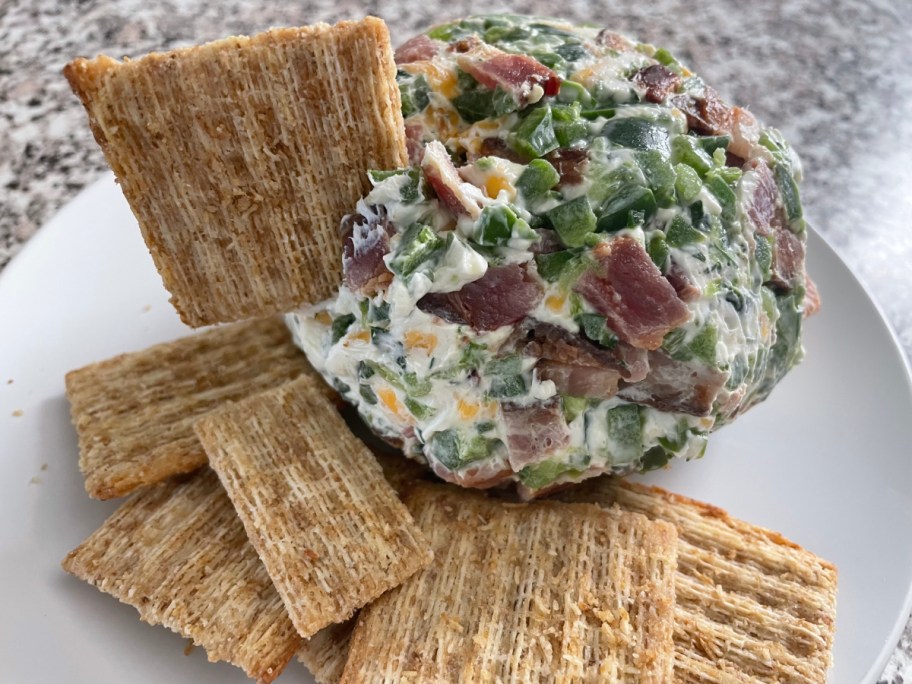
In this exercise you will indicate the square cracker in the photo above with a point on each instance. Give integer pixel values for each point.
(179, 555)
(325, 653)
(524, 593)
(134, 413)
(240, 157)
(329, 528)
(751, 605)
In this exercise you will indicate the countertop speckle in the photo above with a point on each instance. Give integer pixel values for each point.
(834, 76)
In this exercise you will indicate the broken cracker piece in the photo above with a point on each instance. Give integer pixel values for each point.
(240, 157)
(524, 593)
(327, 525)
(179, 555)
(325, 653)
(134, 413)
(751, 605)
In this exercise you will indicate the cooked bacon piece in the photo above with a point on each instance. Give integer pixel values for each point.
(548, 242)
(553, 343)
(497, 147)
(707, 115)
(628, 289)
(676, 386)
(580, 381)
(504, 295)
(658, 82)
(682, 284)
(414, 142)
(768, 217)
(365, 243)
(534, 432)
(515, 74)
(811, 297)
(483, 476)
(417, 49)
(459, 197)
(570, 164)
(745, 132)
(613, 41)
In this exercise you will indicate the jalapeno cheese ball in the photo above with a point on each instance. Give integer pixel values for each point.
(592, 262)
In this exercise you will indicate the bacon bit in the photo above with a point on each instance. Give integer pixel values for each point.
(707, 115)
(629, 290)
(811, 297)
(548, 242)
(580, 381)
(516, 74)
(495, 147)
(534, 432)
(570, 164)
(414, 142)
(417, 49)
(365, 243)
(476, 477)
(555, 303)
(613, 41)
(503, 296)
(415, 339)
(676, 386)
(658, 82)
(391, 401)
(456, 195)
(745, 132)
(682, 284)
(467, 409)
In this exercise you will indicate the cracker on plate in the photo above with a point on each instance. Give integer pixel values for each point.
(526, 593)
(178, 554)
(329, 528)
(240, 157)
(751, 605)
(134, 413)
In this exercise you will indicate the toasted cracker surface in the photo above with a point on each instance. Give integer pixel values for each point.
(326, 652)
(134, 413)
(178, 553)
(751, 605)
(327, 525)
(240, 157)
(524, 593)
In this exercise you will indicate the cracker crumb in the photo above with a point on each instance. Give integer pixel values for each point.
(188, 649)
(147, 308)
(44, 466)
(18, 413)
(9, 382)
(35, 480)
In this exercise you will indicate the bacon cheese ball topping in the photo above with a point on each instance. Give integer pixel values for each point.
(592, 262)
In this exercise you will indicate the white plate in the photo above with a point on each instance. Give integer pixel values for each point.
(826, 461)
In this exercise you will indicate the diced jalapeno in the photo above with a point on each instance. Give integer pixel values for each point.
(703, 345)
(542, 474)
(552, 267)
(711, 143)
(534, 136)
(367, 394)
(454, 451)
(340, 326)
(676, 441)
(573, 221)
(571, 91)
(726, 196)
(494, 225)
(596, 328)
(616, 214)
(537, 178)
(476, 102)
(655, 458)
(568, 126)
(788, 189)
(418, 244)
(681, 233)
(687, 183)
(659, 174)
(637, 134)
(625, 432)
(664, 57)
(410, 191)
(505, 386)
(686, 149)
(414, 94)
(657, 248)
(573, 407)
(510, 364)
(572, 51)
(419, 410)
(764, 257)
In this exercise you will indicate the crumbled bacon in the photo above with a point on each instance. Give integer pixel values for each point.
(534, 432)
(482, 476)
(365, 243)
(613, 41)
(657, 81)
(548, 242)
(745, 132)
(811, 297)
(706, 115)
(459, 197)
(681, 282)
(580, 381)
(628, 289)
(515, 74)
(504, 295)
(570, 164)
(414, 142)
(417, 49)
(676, 386)
(497, 147)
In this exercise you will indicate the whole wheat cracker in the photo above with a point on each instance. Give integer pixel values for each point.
(178, 553)
(134, 413)
(751, 605)
(523, 593)
(240, 157)
(326, 652)
(327, 525)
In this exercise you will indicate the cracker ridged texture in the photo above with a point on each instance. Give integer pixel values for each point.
(326, 652)
(240, 157)
(134, 413)
(330, 530)
(751, 605)
(178, 554)
(524, 593)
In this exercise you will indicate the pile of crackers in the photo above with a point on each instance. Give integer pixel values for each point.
(259, 526)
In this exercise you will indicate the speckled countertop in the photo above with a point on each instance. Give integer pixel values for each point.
(835, 76)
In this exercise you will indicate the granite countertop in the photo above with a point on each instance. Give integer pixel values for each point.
(833, 76)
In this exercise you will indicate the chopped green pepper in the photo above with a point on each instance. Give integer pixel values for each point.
(534, 136)
(637, 134)
(537, 178)
(573, 221)
(616, 214)
(340, 326)
(596, 328)
(418, 245)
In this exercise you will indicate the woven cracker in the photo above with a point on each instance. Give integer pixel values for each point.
(524, 593)
(751, 605)
(326, 652)
(134, 413)
(179, 555)
(327, 525)
(240, 157)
